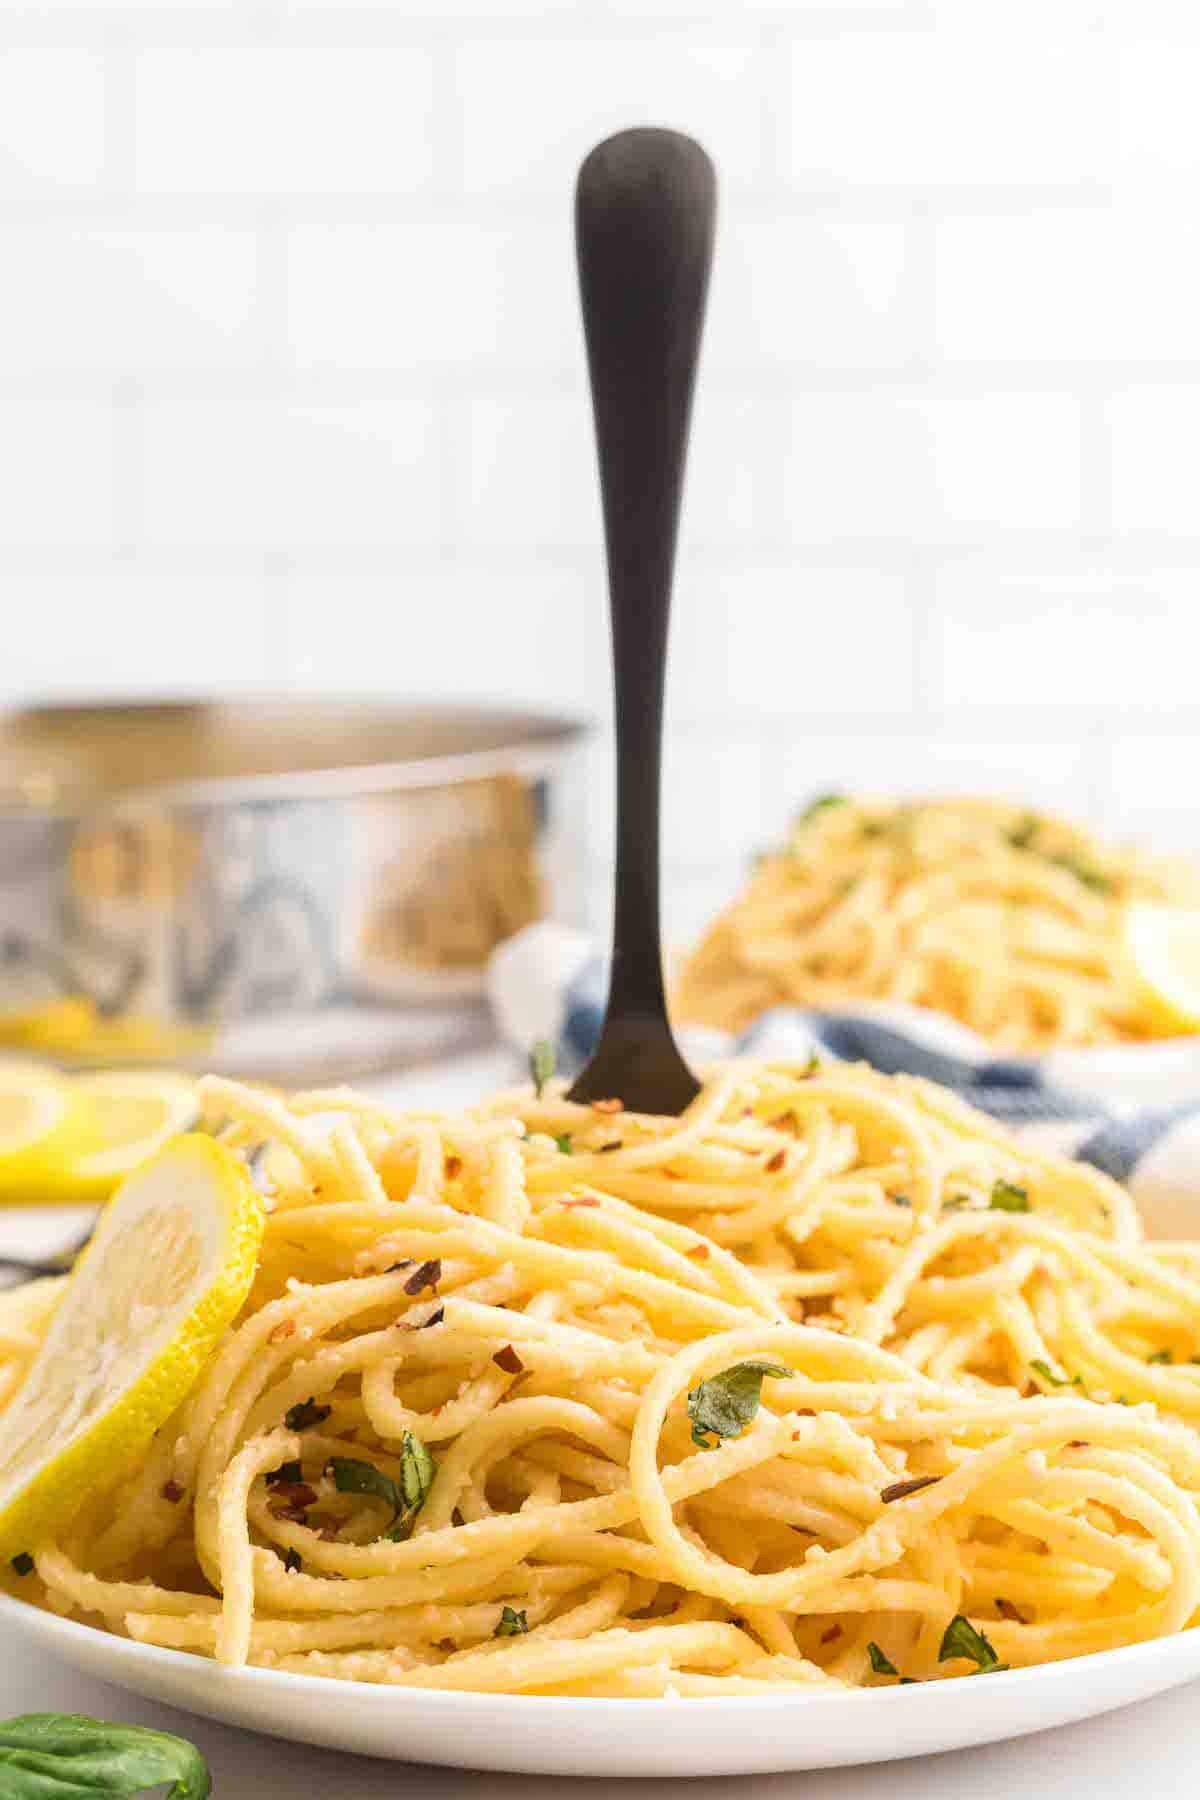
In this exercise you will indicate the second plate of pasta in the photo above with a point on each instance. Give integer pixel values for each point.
(1010, 921)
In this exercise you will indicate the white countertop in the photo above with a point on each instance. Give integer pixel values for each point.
(1141, 1751)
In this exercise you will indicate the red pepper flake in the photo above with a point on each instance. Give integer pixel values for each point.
(426, 1276)
(295, 1493)
(900, 1490)
(453, 1167)
(1079, 1444)
(1007, 1610)
(446, 1644)
(507, 1359)
(699, 1252)
(603, 1149)
(172, 1491)
(583, 1200)
(776, 1162)
(608, 1106)
(293, 1515)
(832, 1635)
(435, 1318)
(787, 1122)
(285, 1329)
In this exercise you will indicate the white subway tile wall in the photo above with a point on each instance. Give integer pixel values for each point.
(292, 390)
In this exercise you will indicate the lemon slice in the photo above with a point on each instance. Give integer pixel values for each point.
(1162, 951)
(128, 1116)
(33, 1101)
(170, 1264)
(72, 1140)
(40, 1126)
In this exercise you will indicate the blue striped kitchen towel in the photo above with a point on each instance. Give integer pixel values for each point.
(1132, 1111)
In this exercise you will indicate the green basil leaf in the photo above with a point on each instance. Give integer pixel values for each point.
(962, 1639)
(724, 1405)
(512, 1624)
(1008, 1197)
(563, 1144)
(542, 1061)
(880, 1664)
(65, 1756)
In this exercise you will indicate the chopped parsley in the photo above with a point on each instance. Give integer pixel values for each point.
(405, 1497)
(286, 1475)
(962, 1639)
(1084, 872)
(880, 1664)
(563, 1144)
(304, 1414)
(1021, 835)
(511, 1624)
(1008, 1197)
(820, 804)
(542, 1062)
(1047, 1374)
(724, 1405)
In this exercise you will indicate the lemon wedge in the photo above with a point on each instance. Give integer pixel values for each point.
(72, 1139)
(167, 1270)
(1162, 952)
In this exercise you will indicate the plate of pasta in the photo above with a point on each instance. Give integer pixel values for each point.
(560, 1438)
(1021, 926)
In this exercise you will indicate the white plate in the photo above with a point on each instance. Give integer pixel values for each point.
(539, 1736)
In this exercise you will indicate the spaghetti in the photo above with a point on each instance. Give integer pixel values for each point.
(1007, 920)
(829, 1381)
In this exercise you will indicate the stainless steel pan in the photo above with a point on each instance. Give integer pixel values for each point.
(282, 886)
